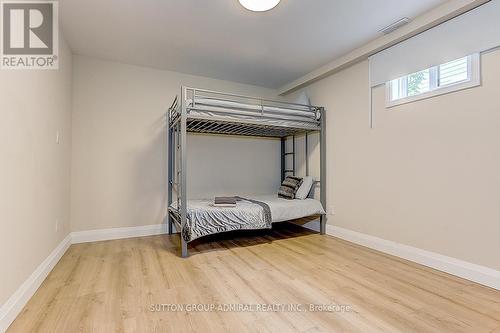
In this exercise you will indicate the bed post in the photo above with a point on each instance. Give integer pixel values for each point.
(323, 169)
(170, 159)
(283, 158)
(307, 153)
(183, 178)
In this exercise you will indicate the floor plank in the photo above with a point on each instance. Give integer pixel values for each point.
(113, 286)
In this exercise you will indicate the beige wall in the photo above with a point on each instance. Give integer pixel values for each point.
(119, 147)
(35, 171)
(427, 175)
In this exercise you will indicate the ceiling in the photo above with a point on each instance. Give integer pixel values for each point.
(221, 39)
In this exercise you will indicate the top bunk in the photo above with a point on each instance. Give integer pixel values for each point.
(215, 112)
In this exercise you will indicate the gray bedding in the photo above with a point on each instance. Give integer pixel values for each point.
(205, 219)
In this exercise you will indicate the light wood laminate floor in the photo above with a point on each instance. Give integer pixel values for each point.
(110, 287)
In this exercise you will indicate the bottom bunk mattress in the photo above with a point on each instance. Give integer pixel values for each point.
(250, 213)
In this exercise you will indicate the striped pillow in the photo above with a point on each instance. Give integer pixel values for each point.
(289, 187)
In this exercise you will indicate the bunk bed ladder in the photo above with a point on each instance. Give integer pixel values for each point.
(285, 171)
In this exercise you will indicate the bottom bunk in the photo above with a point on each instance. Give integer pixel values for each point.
(250, 213)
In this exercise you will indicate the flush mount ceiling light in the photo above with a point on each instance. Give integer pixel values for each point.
(259, 5)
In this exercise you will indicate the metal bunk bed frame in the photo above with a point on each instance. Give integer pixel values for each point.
(180, 122)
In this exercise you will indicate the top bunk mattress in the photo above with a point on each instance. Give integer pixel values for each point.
(298, 110)
(235, 112)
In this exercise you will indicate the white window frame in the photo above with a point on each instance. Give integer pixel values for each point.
(473, 80)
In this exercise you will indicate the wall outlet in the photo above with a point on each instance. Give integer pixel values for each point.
(56, 227)
(331, 210)
(57, 137)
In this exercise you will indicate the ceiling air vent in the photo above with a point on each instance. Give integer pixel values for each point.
(395, 26)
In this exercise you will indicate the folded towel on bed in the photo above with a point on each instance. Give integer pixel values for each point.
(225, 201)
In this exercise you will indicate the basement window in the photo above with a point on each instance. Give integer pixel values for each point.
(452, 76)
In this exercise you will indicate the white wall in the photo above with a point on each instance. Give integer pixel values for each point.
(119, 147)
(35, 171)
(427, 175)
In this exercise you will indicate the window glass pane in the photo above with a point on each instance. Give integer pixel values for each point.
(454, 75)
(454, 71)
(419, 82)
(396, 91)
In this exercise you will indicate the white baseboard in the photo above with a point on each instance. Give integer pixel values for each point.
(480, 274)
(117, 233)
(14, 305)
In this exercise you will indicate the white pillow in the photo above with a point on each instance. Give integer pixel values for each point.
(305, 188)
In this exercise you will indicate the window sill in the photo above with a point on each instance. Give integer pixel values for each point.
(438, 92)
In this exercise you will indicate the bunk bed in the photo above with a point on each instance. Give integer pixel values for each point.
(212, 112)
